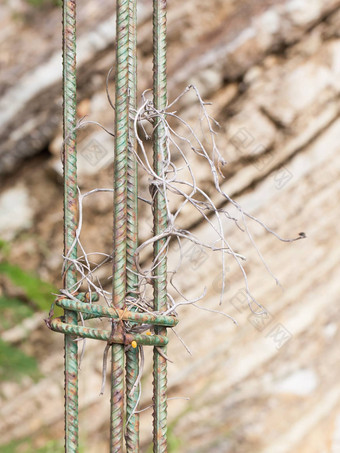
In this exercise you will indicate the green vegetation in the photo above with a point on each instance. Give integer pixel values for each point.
(14, 364)
(37, 291)
(26, 446)
(51, 447)
(41, 3)
(13, 311)
(174, 442)
(4, 247)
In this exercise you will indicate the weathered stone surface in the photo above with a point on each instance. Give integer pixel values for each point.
(269, 385)
(16, 212)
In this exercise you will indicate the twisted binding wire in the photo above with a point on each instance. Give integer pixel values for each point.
(119, 222)
(160, 224)
(70, 217)
(132, 355)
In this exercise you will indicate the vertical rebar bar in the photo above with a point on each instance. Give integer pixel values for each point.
(160, 223)
(119, 223)
(70, 216)
(132, 356)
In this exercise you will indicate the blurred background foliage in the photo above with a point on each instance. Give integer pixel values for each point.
(36, 296)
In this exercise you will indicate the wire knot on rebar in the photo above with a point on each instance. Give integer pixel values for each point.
(87, 310)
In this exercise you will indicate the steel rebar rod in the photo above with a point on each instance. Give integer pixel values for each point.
(119, 223)
(70, 217)
(125, 315)
(132, 355)
(160, 224)
(58, 325)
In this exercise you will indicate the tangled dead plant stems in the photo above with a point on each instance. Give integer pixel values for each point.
(180, 188)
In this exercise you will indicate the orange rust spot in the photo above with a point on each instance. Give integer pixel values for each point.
(73, 206)
(134, 344)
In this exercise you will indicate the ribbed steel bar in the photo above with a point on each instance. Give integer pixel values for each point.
(85, 297)
(125, 315)
(132, 355)
(58, 325)
(119, 223)
(160, 223)
(70, 216)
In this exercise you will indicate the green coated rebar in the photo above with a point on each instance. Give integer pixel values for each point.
(70, 217)
(132, 355)
(160, 223)
(119, 224)
(58, 325)
(125, 238)
(85, 297)
(110, 312)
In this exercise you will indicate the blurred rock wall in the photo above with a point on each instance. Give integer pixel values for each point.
(271, 70)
